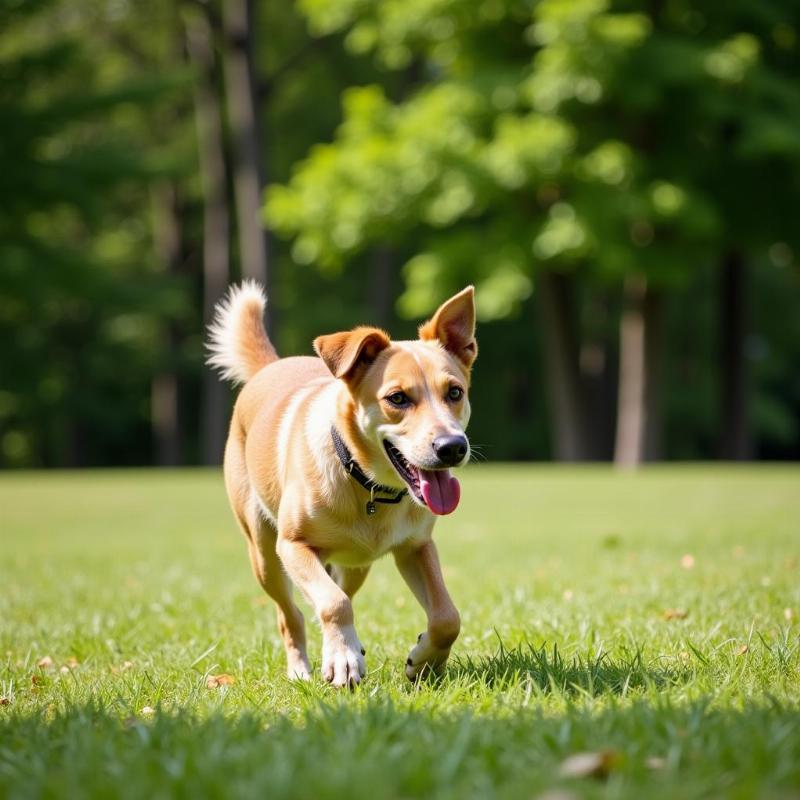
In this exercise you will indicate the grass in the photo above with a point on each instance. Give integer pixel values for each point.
(651, 618)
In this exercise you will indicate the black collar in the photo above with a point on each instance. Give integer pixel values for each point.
(358, 474)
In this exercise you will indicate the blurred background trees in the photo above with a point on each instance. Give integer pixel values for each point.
(620, 181)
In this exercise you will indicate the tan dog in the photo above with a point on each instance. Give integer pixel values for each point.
(332, 462)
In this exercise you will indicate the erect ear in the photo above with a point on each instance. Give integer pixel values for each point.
(348, 353)
(454, 326)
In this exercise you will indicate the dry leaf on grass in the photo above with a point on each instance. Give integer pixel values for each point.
(589, 765)
(5, 701)
(742, 650)
(215, 681)
(37, 680)
(45, 663)
(675, 613)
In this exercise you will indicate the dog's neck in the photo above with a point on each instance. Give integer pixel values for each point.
(378, 493)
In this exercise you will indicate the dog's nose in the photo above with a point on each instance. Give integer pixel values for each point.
(450, 449)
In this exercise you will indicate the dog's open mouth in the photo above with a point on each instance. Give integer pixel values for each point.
(435, 488)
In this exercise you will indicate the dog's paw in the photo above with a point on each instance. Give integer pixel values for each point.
(298, 668)
(425, 659)
(343, 661)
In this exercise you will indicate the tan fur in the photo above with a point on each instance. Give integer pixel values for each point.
(295, 503)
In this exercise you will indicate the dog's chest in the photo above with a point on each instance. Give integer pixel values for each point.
(371, 537)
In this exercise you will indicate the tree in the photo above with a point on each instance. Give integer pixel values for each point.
(75, 275)
(563, 139)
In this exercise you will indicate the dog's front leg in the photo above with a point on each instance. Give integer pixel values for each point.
(420, 568)
(342, 655)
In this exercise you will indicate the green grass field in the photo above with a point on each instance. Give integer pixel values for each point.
(649, 619)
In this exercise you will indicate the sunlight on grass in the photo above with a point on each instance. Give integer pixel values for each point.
(653, 615)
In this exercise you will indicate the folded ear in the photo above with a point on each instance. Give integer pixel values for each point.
(348, 353)
(454, 326)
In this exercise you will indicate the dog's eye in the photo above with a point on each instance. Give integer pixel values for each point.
(455, 393)
(398, 399)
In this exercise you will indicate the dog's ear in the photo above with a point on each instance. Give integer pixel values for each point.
(348, 353)
(453, 325)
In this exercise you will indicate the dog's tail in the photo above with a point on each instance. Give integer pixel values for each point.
(238, 345)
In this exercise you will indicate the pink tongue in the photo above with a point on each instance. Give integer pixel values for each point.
(440, 490)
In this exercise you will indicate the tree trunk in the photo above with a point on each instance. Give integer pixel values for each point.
(164, 390)
(598, 372)
(380, 287)
(216, 268)
(248, 171)
(567, 405)
(735, 437)
(638, 400)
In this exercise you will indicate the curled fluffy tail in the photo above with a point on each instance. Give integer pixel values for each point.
(238, 345)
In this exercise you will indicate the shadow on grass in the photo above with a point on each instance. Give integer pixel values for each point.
(364, 748)
(549, 672)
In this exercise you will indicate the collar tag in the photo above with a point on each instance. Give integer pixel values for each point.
(360, 477)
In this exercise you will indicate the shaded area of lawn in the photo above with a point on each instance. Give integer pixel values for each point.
(335, 751)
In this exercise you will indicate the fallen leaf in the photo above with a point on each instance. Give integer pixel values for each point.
(214, 681)
(147, 711)
(37, 680)
(45, 663)
(655, 762)
(742, 650)
(687, 561)
(675, 613)
(589, 765)
(5, 701)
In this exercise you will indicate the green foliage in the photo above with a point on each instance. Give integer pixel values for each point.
(79, 297)
(562, 577)
(562, 135)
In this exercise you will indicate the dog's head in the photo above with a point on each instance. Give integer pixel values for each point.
(407, 406)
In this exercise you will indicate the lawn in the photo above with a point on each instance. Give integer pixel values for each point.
(650, 620)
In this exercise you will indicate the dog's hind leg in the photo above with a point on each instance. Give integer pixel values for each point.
(261, 541)
(276, 584)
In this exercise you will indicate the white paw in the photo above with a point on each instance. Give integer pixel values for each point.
(343, 657)
(425, 659)
(297, 668)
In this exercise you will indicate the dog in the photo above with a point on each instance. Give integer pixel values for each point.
(332, 462)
